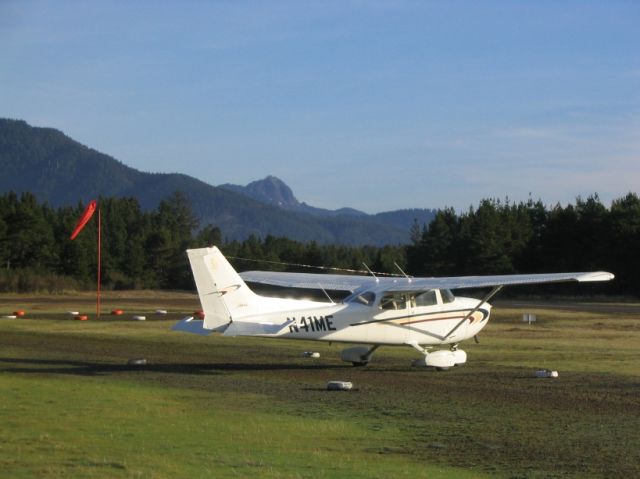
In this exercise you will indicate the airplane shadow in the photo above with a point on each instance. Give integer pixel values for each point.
(87, 368)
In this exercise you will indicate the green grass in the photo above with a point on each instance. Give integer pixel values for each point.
(61, 427)
(241, 407)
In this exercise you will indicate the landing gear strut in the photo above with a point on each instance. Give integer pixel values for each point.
(358, 356)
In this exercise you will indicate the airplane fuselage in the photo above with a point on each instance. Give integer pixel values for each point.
(417, 312)
(353, 322)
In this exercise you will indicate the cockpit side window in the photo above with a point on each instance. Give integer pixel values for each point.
(428, 298)
(393, 301)
(367, 298)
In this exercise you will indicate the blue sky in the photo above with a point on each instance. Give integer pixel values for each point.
(373, 105)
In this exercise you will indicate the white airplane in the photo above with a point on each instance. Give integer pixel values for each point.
(419, 312)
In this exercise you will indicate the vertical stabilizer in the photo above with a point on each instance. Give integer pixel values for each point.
(223, 293)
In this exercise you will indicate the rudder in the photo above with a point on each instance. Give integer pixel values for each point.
(223, 294)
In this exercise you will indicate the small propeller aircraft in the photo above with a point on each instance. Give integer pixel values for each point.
(421, 313)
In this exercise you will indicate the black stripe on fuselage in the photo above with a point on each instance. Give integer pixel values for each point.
(415, 319)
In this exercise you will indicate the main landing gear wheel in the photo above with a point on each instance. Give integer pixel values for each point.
(358, 356)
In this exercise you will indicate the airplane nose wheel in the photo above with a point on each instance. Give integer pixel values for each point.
(440, 360)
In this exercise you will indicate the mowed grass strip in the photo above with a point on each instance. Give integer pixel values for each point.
(72, 407)
(239, 407)
(565, 340)
(57, 426)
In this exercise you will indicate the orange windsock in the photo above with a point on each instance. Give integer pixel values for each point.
(86, 216)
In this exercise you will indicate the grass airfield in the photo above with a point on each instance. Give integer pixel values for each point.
(244, 407)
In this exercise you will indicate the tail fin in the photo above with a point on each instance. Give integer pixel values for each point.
(223, 293)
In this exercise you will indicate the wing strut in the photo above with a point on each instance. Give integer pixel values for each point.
(372, 273)
(493, 292)
(403, 273)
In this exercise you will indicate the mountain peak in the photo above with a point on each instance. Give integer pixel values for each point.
(272, 190)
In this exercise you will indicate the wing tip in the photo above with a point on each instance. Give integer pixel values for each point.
(595, 276)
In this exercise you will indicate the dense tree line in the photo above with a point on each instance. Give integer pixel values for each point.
(141, 249)
(146, 249)
(503, 237)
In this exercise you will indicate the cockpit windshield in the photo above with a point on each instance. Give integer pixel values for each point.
(447, 296)
(428, 298)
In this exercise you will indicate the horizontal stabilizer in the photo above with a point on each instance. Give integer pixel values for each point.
(244, 328)
(190, 325)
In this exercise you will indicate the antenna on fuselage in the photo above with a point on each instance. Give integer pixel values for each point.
(372, 273)
(404, 274)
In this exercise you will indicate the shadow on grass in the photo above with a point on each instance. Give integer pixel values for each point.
(87, 368)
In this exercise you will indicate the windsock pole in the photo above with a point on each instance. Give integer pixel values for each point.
(82, 221)
(99, 262)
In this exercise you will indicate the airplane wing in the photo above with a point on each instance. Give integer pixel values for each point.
(469, 282)
(351, 283)
(338, 282)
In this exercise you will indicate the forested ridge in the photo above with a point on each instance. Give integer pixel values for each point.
(61, 171)
(146, 248)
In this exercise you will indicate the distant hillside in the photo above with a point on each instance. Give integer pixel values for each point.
(61, 171)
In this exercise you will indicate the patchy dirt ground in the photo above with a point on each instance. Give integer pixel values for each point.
(492, 415)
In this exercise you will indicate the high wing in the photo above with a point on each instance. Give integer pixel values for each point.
(337, 282)
(352, 283)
